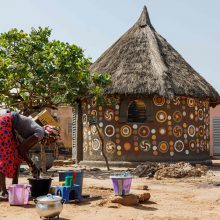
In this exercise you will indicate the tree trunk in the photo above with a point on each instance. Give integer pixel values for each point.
(103, 152)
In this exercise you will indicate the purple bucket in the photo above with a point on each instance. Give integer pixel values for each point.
(19, 194)
(121, 185)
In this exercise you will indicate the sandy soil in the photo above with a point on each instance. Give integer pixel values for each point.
(173, 199)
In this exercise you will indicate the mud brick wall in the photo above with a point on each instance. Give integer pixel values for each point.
(174, 130)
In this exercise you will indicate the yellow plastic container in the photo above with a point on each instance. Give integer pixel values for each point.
(62, 183)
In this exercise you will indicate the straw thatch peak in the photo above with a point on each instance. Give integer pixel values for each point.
(143, 62)
(144, 19)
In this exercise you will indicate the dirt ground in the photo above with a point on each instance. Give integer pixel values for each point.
(173, 199)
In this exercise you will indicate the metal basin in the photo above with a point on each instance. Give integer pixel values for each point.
(49, 206)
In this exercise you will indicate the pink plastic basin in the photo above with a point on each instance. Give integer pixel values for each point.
(19, 194)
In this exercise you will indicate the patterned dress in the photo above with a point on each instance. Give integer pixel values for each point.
(9, 157)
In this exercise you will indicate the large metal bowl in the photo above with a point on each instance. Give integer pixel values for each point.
(49, 206)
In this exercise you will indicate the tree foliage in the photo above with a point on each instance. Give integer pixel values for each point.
(36, 72)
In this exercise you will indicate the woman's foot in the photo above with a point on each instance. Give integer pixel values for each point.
(3, 195)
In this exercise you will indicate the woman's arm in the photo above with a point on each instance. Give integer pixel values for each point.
(25, 146)
(23, 149)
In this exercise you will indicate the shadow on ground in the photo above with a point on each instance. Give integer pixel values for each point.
(145, 208)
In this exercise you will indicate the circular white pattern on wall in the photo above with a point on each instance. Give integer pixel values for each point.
(93, 129)
(179, 146)
(176, 100)
(177, 131)
(110, 147)
(126, 131)
(162, 131)
(200, 114)
(192, 145)
(153, 131)
(84, 119)
(191, 130)
(118, 147)
(135, 126)
(96, 144)
(168, 101)
(191, 116)
(117, 107)
(159, 100)
(163, 147)
(109, 130)
(109, 115)
(145, 145)
(154, 147)
(143, 131)
(191, 102)
(85, 147)
(177, 116)
(100, 124)
(161, 116)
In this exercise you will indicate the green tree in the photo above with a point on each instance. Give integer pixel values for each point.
(36, 72)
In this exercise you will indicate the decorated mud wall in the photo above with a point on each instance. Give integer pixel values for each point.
(174, 130)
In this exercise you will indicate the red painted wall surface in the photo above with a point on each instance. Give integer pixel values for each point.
(214, 112)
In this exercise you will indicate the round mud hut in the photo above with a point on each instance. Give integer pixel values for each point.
(160, 107)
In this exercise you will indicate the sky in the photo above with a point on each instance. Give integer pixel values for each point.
(192, 27)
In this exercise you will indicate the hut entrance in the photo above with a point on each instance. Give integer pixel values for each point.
(137, 111)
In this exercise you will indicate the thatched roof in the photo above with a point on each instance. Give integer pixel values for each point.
(143, 62)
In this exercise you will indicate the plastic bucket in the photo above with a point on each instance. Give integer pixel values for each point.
(121, 185)
(64, 174)
(40, 187)
(78, 178)
(19, 194)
